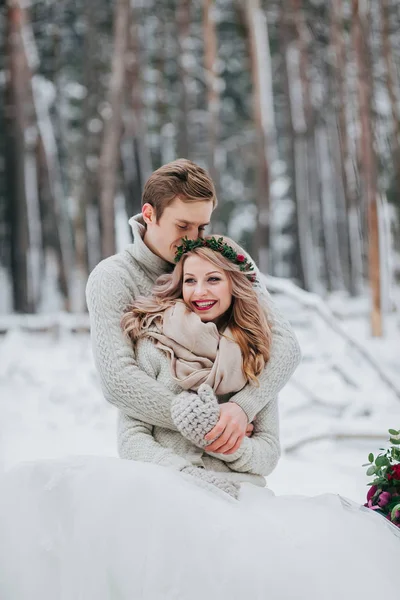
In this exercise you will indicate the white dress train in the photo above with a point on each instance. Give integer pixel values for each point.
(95, 528)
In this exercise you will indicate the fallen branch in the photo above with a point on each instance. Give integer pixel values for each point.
(345, 377)
(313, 397)
(333, 437)
(314, 302)
(45, 323)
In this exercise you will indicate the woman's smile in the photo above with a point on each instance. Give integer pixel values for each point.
(204, 304)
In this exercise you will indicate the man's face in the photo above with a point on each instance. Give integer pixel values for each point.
(179, 220)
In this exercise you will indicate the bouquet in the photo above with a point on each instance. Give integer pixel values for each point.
(384, 493)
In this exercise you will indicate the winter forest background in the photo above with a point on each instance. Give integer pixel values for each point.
(292, 105)
(294, 108)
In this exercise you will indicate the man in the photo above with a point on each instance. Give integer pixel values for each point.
(178, 200)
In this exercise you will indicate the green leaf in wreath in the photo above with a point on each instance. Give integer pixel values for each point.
(394, 432)
(371, 470)
(371, 457)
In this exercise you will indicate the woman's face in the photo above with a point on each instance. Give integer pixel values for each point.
(206, 289)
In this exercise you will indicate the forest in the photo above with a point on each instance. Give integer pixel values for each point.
(293, 106)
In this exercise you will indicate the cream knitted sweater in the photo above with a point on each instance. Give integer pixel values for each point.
(257, 456)
(111, 287)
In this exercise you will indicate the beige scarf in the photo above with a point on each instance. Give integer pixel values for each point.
(198, 353)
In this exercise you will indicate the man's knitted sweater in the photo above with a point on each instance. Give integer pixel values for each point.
(112, 286)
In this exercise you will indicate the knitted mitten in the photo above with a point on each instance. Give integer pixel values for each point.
(204, 478)
(195, 414)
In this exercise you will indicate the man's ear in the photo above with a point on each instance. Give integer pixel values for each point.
(148, 213)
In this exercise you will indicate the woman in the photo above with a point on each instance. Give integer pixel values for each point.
(203, 330)
(106, 528)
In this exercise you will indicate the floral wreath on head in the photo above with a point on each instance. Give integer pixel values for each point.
(217, 245)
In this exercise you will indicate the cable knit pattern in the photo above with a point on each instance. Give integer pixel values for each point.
(208, 477)
(111, 287)
(259, 454)
(137, 440)
(196, 414)
(140, 441)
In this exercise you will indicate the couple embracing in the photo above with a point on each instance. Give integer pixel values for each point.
(192, 351)
(205, 353)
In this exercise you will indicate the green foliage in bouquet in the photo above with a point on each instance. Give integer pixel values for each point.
(384, 493)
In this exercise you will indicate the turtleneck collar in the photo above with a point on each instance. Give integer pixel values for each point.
(148, 260)
(151, 262)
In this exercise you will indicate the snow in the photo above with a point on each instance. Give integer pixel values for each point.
(75, 91)
(242, 221)
(51, 404)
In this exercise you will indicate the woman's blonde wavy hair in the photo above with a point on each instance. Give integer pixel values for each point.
(245, 318)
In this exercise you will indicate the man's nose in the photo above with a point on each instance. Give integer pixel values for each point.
(193, 233)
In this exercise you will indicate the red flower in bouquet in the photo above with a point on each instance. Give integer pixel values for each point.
(394, 472)
(384, 494)
(384, 499)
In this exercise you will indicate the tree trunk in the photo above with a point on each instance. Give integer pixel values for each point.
(87, 226)
(213, 100)
(136, 160)
(263, 120)
(183, 22)
(306, 182)
(84, 190)
(284, 40)
(368, 169)
(329, 207)
(389, 75)
(51, 165)
(109, 158)
(17, 205)
(24, 204)
(352, 239)
(162, 104)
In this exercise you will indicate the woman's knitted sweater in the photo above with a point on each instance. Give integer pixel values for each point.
(111, 287)
(257, 456)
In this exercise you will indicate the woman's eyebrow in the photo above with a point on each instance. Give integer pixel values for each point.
(209, 273)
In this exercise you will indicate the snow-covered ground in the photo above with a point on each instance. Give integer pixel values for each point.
(335, 410)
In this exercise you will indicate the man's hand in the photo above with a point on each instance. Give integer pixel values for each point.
(229, 431)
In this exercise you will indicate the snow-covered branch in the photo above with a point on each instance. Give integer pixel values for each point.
(316, 303)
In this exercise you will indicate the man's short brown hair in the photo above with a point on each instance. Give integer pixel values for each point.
(182, 178)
